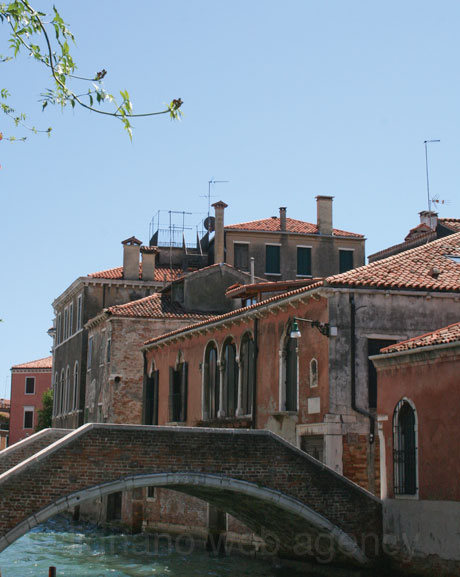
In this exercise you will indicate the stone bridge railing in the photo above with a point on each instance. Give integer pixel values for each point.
(270, 485)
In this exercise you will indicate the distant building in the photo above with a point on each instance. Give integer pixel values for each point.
(419, 428)
(285, 248)
(431, 228)
(85, 298)
(28, 383)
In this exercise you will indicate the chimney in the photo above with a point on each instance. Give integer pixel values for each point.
(283, 218)
(131, 248)
(148, 262)
(219, 238)
(429, 218)
(324, 214)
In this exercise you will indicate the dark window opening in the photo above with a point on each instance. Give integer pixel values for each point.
(151, 399)
(211, 383)
(272, 259)
(151, 492)
(404, 450)
(345, 260)
(313, 445)
(114, 506)
(291, 374)
(30, 385)
(303, 261)
(241, 258)
(178, 393)
(230, 379)
(28, 419)
(247, 360)
(373, 348)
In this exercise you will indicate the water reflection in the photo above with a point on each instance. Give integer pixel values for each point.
(83, 550)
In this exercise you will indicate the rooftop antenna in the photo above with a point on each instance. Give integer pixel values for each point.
(426, 142)
(209, 195)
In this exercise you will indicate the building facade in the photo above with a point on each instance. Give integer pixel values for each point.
(28, 383)
(419, 393)
(85, 298)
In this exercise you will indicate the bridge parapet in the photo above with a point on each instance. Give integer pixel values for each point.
(255, 475)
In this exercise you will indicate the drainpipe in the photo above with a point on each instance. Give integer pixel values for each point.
(353, 370)
(254, 388)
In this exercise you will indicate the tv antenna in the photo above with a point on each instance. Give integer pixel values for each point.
(426, 142)
(209, 195)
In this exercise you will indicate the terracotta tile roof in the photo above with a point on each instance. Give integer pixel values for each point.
(452, 223)
(162, 273)
(156, 305)
(292, 225)
(425, 267)
(417, 231)
(235, 290)
(46, 363)
(411, 242)
(449, 334)
(410, 270)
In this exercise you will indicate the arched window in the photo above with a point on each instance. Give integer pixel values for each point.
(405, 448)
(178, 391)
(211, 400)
(56, 395)
(67, 390)
(247, 374)
(76, 387)
(151, 396)
(313, 373)
(61, 394)
(230, 377)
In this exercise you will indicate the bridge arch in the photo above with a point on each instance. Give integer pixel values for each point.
(254, 475)
(207, 484)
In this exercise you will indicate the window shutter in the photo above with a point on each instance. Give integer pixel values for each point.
(183, 393)
(156, 380)
(171, 394)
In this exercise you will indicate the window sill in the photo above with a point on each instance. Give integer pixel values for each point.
(407, 497)
(304, 276)
(284, 413)
(176, 424)
(272, 273)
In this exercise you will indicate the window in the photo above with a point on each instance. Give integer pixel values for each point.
(404, 449)
(30, 385)
(373, 348)
(313, 445)
(28, 417)
(66, 392)
(79, 317)
(247, 364)
(59, 328)
(230, 375)
(114, 506)
(303, 261)
(56, 395)
(313, 374)
(241, 256)
(345, 260)
(108, 350)
(288, 373)
(66, 323)
(75, 387)
(210, 383)
(61, 393)
(70, 319)
(272, 259)
(90, 353)
(151, 492)
(151, 398)
(178, 393)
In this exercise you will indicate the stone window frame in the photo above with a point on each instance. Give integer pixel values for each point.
(55, 394)
(26, 380)
(396, 412)
(313, 377)
(240, 410)
(67, 391)
(223, 409)
(79, 311)
(28, 410)
(206, 395)
(76, 387)
(61, 392)
(282, 354)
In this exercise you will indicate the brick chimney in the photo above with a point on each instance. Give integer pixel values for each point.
(219, 239)
(283, 218)
(148, 262)
(131, 248)
(324, 214)
(429, 218)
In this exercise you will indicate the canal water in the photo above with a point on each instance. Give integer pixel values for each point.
(83, 550)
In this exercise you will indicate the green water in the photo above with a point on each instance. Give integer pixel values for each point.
(83, 550)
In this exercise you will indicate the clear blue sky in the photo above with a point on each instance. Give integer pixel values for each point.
(286, 100)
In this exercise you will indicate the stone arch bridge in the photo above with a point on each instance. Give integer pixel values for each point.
(262, 480)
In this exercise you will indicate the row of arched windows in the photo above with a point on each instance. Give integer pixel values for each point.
(66, 391)
(228, 378)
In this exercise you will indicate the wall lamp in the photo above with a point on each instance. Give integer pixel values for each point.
(324, 328)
